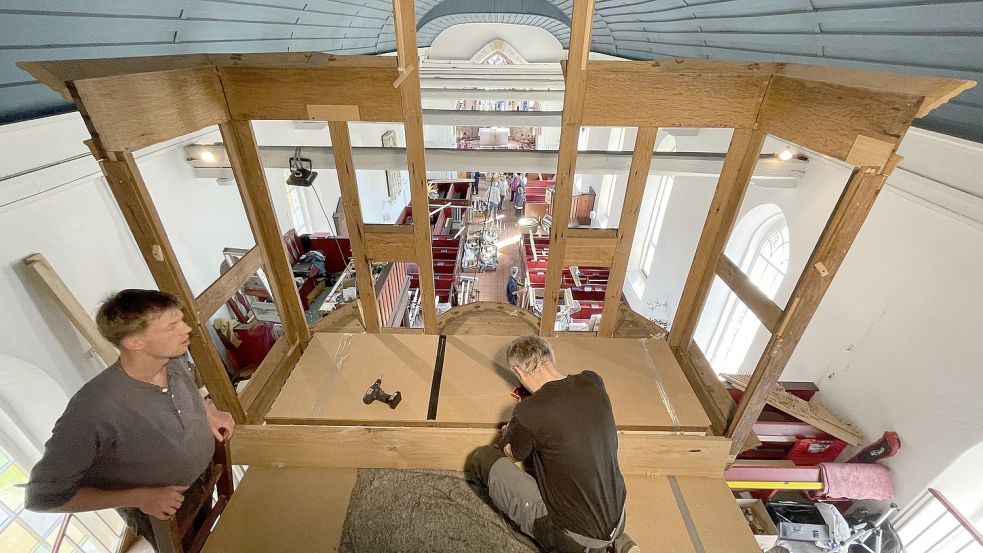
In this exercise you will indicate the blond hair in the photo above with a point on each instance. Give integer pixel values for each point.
(130, 311)
(528, 353)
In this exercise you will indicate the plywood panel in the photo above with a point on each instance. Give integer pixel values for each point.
(716, 517)
(331, 377)
(287, 510)
(653, 518)
(476, 384)
(646, 385)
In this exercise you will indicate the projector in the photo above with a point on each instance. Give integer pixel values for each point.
(300, 172)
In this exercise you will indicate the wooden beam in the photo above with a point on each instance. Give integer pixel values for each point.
(742, 155)
(257, 92)
(390, 242)
(806, 411)
(662, 99)
(761, 305)
(251, 178)
(409, 94)
(487, 318)
(848, 216)
(142, 109)
(641, 161)
(566, 162)
(414, 447)
(829, 118)
(265, 384)
(591, 247)
(71, 307)
(138, 209)
(225, 287)
(348, 185)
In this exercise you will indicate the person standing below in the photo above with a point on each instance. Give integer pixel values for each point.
(513, 184)
(503, 188)
(475, 182)
(494, 198)
(520, 200)
(137, 437)
(575, 499)
(523, 181)
(512, 286)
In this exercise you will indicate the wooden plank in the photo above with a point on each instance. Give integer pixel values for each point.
(717, 519)
(347, 318)
(138, 110)
(286, 92)
(487, 318)
(641, 453)
(761, 305)
(828, 118)
(848, 216)
(390, 242)
(348, 186)
(566, 160)
(285, 510)
(333, 113)
(281, 349)
(632, 325)
(225, 287)
(663, 99)
(276, 376)
(742, 155)
(806, 411)
(641, 161)
(591, 247)
(240, 142)
(138, 209)
(71, 307)
(653, 519)
(409, 95)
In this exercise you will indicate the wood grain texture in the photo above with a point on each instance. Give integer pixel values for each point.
(70, 306)
(641, 161)
(348, 186)
(390, 242)
(716, 517)
(742, 156)
(487, 318)
(827, 118)
(845, 222)
(761, 305)
(409, 95)
(240, 143)
(346, 319)
(226, 285)
(662, 99)
(133, 111)
(566, 161)
(641, 453)
(632, 325)
(286, 92)
(141, 216)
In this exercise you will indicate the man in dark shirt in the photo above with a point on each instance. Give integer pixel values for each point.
(512, 286)
(137, 437)
(575, 499)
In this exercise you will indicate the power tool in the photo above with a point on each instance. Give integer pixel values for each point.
(375, 393)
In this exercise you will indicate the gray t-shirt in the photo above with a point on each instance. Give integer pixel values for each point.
(119, 433)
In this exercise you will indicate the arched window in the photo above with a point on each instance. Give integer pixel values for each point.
(764, 256)
(654, 213)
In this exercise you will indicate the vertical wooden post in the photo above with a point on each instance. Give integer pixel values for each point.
(742, 156)
(341, 145)
(638, 175)
(409, 92)
(566, 161)
(848, 216)
(138, 209)
(240, 144)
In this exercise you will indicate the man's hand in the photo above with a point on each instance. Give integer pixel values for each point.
(219, 421)
(159, 503)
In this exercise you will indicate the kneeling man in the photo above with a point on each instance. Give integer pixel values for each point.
(575, 499)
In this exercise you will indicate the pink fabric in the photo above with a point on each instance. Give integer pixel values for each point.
(856, 481)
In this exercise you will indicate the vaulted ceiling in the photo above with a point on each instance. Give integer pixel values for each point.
(941, 38)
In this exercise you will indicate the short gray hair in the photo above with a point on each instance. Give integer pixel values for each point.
(528, 353)
(515, 271)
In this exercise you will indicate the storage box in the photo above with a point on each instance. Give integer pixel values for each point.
(764, 530)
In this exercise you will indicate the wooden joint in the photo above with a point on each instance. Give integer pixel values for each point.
(823, 271)
(403, 73)
(788, 316)
(157, 252)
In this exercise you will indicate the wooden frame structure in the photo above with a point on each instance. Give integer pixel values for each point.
(854, 116)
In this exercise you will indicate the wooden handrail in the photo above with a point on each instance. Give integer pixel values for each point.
(957, 515)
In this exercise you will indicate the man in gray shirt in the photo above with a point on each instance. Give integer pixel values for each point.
(137, 437)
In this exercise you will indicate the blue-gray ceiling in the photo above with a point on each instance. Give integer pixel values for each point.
(940, 38)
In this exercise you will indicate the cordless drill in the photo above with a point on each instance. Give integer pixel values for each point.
(375, 393)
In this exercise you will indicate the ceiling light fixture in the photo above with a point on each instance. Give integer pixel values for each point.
(300, 171)
(786, 154)
(207, 157)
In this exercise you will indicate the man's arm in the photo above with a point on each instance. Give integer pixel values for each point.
(160, 502)
(221, 422)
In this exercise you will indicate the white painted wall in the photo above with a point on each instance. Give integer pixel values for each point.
(460, 42)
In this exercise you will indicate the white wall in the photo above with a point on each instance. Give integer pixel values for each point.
(460, 42)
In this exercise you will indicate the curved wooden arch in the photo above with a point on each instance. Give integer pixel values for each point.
(345, 319)
(633, 325)
(490, 318)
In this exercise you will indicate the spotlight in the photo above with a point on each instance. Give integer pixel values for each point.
(300, 171)
(208, 157)
(786, 154)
